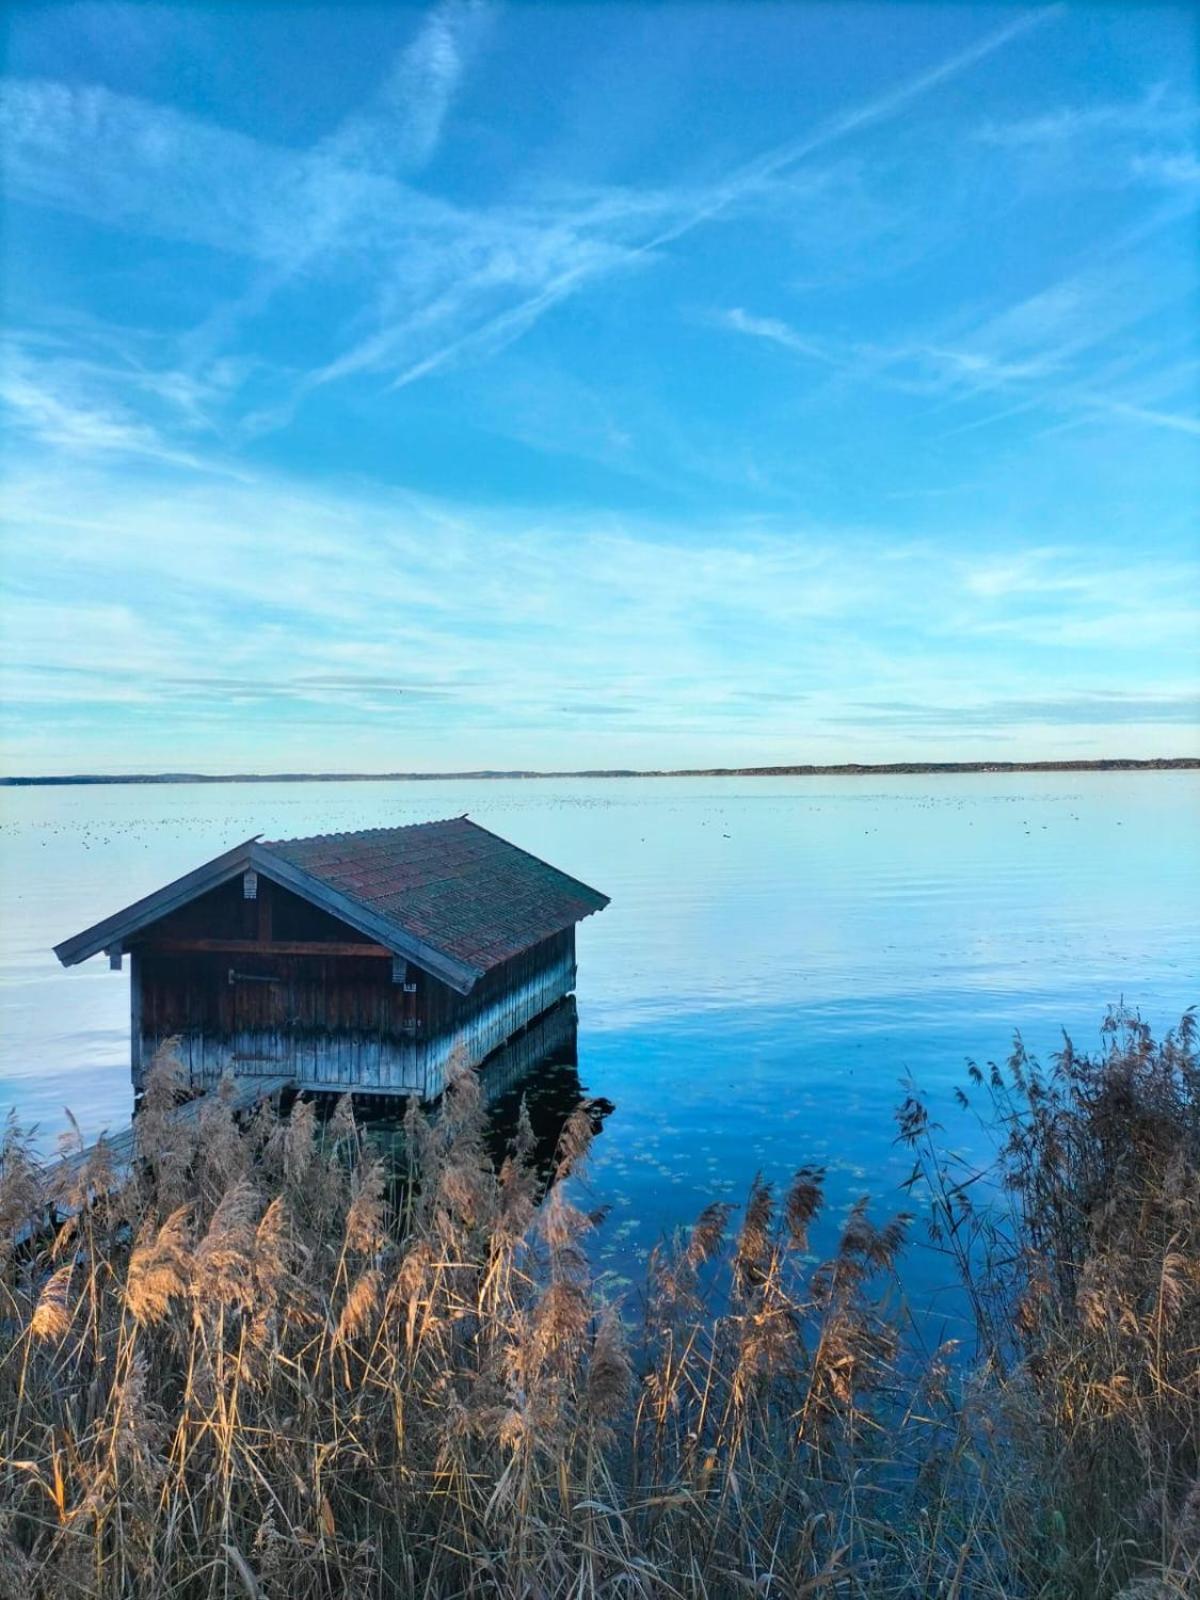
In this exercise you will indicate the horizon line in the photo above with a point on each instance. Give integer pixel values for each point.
(790, 769)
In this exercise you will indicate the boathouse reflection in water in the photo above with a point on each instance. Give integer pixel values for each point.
(545, 1076)
(539, 1068)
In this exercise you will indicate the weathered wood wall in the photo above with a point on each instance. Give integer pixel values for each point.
(333, 1022)
(553, 1033)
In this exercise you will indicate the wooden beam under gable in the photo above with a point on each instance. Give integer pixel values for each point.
(263, 947)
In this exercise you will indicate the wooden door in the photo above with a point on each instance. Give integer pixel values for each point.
(259, 1009)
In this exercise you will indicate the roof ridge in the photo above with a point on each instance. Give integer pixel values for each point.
(358, 833)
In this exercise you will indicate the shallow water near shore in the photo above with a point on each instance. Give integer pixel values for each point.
(779, 957)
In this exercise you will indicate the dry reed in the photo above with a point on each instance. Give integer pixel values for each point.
(263, 1365)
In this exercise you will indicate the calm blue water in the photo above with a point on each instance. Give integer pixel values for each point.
(779, 955)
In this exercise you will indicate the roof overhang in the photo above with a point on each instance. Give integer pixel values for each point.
(123, 925)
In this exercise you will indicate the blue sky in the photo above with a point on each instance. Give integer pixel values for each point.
(491, 386)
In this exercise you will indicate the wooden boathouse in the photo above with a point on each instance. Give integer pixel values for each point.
(361, 962)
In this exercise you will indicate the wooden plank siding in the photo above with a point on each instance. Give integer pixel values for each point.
(329, 1022)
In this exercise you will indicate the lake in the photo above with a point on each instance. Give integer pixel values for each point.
(779, 955)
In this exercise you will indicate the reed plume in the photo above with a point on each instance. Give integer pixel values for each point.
(360, 1306)
(51, 1318)
(159, 1269)
(223, 1261)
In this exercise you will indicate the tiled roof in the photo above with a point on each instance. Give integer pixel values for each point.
(455, 887)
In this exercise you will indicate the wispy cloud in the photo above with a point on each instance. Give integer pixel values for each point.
(685, 211)
(1111, 709)
(400, 130)
(84, 408)
(1156, 115)
(496, 636)
(1149, 141)
(336, 209)
(1058, 349)
(1169, 168)
(456, 283)
(869, 113)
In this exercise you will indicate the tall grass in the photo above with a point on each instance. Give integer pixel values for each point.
(1081, 1255)
(265, 1365)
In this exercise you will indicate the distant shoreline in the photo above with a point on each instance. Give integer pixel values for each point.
(849, 769)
